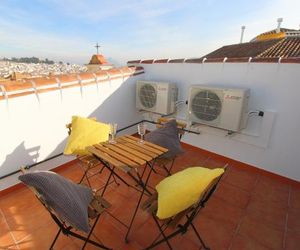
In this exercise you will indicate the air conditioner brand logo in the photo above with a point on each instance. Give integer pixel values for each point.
(232, 97)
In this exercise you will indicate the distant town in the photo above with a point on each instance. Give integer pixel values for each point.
(28, 67)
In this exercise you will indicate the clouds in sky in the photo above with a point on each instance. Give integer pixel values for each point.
(67, 30)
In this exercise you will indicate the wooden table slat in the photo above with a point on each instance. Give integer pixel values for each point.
(115, 155)
(164, 150)
(135, 152)
(144, 146)
(106, 157)
(126, 154)
(138, 148)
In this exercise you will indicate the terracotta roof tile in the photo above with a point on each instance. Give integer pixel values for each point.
(161, 61)
(251, 49)
(98, 59)
(134, 61)
(194, 60)
(265, 60)
(43, 84)
(86, 76)
(288, 47)
(148, 61)
(181, 60)
(240, 59)
(41, 81)
(102, 74)
(68, 78)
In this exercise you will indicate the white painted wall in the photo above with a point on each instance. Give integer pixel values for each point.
(32, 131)
(274, 140)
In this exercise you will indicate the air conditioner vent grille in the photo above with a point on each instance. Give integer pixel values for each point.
(148, 96)
(206, 105)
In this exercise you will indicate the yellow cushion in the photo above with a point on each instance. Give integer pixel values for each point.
(183, 189)
(85, 132)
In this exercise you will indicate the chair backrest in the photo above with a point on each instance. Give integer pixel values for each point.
(151, 205)
(180, 125)
(96, 206)
(88, 160)
(69, 125)
(39, 196)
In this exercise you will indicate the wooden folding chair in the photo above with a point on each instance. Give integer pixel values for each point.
(167, 164)
(181, 222)
(97, 207)
(88, 163)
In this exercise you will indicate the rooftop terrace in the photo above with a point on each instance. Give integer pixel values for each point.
(249, 210)
(256, 205)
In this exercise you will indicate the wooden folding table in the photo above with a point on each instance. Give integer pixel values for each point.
(128, 155)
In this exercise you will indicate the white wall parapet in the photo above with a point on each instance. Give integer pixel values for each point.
(32, 133)
(270, 142)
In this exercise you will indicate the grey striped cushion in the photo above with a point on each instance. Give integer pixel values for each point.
(69, 200)
(166, 136)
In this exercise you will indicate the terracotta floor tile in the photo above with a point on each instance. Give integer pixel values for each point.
(241, 178)
(268, 212)
(259, 203)
(130, 246)
(244, 243)
(182, 242)
(294, 220)
(272, 191)
(6, 238)
(127, 192)
(214, 163)
(272, 182)
(232, 195)
(125, 211)
(22, 199)
(25, 222)
(266, 205)
(42, 239)
(223, 212)
(215, 234)
(260, 232)
(111, 234)
(73, 174)
(155, 179)
(145, 235)
(292, 241)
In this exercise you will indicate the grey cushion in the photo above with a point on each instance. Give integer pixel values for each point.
(166, 136)
(68, 200)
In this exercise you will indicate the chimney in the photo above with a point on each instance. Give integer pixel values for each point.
(279, 20)
(242, 33)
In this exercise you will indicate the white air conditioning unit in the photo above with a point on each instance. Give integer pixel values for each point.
(156, 97)
(225, 108)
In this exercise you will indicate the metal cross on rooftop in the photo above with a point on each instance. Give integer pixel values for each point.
(97, 47)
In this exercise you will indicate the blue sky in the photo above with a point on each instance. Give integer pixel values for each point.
(67, 30)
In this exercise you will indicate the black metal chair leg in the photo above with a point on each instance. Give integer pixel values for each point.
(199, 237)
(144, 170)
(115, 180)
(171, 166)
(107, 183)
(83, 176)
(162, 232)
(144, 189)
(101, 169)
(166, 169)
(91, 231)
(55, 239)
